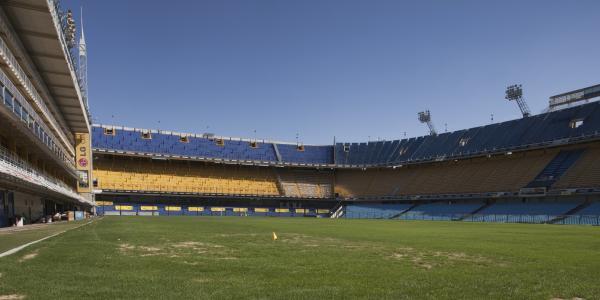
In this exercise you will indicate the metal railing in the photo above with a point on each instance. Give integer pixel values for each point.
(497, 218)
(137, 211)
(11, 164)
(484, 151)
(32, 114)
(6, 55)
(340, 165)
(27, 64)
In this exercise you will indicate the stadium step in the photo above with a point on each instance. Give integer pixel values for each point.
(555, 168)
(476, 211)
(571, 212)
(403, 212)
(277, 154)
(279, 184)
(338, 211)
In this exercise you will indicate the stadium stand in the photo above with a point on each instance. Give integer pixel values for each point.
(585, 173)
(561, 211)
(305, 154)
(44, 122)
(112, 138)
(589, 214)
(515, 171)
(143, 174)
(123, 173)
(543, 129)
(530, 211)
(548, 129)
(441, 211)
(556, 168)
(306, 183)
(505, 173)
(375, 211)
(490, 186)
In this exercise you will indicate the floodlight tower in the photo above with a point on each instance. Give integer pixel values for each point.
(425, 117)
(83, 65)
(515, 93)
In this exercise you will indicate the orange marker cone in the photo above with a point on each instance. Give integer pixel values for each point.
(274, 236)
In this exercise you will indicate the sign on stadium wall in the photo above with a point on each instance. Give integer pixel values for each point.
(83, 161)
(575, 96)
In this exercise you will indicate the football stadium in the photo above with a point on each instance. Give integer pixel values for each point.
(93, 209)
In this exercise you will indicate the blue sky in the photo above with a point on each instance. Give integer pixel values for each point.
(320, 68)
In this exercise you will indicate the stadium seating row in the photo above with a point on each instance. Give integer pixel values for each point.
(180, 176)
(307, 154)
(584, 173)
(375, 211)
(503, 173)
(441, 211)
(488, 174)
(584, 216)
(556, 168)
(195, 146)
(306, 183)
(174, 176)
(576, 122)
(509, 211)
(572, 122)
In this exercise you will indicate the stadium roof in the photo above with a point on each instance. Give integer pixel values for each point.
(38, 26)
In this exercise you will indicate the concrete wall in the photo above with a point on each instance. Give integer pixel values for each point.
(29, 206)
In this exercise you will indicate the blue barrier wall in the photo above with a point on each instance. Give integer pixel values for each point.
(125, 209)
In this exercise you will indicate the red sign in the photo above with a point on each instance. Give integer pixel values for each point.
(83, 162)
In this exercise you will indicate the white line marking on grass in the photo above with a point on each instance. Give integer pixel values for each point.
(17, 249)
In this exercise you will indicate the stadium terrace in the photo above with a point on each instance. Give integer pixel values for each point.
(530, 166)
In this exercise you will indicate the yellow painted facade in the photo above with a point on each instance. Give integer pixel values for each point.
(123, 207)
(83, 161)
(146, 208)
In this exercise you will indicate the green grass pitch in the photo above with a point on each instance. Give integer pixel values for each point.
(236, 257)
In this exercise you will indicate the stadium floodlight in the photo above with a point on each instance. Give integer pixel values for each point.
(515, 93)
(425, 117)
(70, 29)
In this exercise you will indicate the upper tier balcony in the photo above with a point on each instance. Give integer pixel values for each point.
(40, 26)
